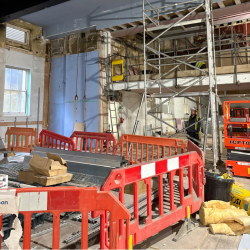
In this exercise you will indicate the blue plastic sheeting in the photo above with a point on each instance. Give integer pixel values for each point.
(57, 96)
(70, 91)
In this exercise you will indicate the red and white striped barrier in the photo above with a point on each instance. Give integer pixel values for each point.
(172, 166)
(56, 200)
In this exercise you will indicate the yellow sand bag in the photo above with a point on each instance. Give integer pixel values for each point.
(218, 204)
(222, 228)
(232, 226)
(214, 215)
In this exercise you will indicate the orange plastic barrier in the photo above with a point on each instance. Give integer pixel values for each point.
(147, 144)
(98, 141)
(174, 203)
(57, 200)
(50, 139)
(21, 139)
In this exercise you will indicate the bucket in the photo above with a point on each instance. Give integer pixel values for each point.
(217, 188)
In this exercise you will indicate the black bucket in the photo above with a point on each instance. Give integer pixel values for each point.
(217, 188)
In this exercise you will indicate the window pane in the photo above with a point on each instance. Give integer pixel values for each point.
(13, 81)
(24, 86)
(6, 104)
(15, 34)
(7, 78)
(20, 79)
(14, 102)
(22, 101)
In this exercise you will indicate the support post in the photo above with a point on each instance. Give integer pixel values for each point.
(145, 64)
(210, 48)
(38, 109)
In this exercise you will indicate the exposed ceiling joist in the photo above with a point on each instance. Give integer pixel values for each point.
(179, 14)
(132, 24)
(166, 17)
(112, 28)
(122, 26)
(221, 4)
(221, 15)
(193, 13)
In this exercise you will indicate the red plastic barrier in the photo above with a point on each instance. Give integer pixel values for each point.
(83, 140)
(53, 140)
(167, 213)
(192, 147)
(21, 139)
(57, 200)
(147, 145)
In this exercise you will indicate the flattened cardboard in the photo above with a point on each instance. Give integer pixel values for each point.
(53, 180)
(48, 167)
(57, 158)
(26, 175)
(30, 177)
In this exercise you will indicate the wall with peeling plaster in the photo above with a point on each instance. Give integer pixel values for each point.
(30, 57)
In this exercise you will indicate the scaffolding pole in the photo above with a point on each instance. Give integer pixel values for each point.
(162, 55)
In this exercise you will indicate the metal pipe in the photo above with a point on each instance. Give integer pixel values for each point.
(145, 65)
(152, 7)
(159, 48)
(178, 93)
(181, 50)
(247, 43)
(220, 49)
(38, 109)
(174, 24)
(206, 128)
(187, 127)
(176, 129)
(176, 4)
(173, 68)
(127, 68)
(208, 11)
(182, 62)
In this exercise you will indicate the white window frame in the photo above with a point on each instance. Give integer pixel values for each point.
(27, 34)
(26, 92)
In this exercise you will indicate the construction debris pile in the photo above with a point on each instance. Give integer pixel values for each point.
(45, 171)
(224, 218)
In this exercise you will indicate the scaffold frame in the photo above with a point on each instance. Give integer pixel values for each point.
(212, 105)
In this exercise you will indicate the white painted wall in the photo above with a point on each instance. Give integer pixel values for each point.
(36, 67)
(131, 102)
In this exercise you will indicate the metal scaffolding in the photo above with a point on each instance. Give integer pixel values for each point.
(157, 32)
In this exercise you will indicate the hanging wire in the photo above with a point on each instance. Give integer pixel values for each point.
(76, 96)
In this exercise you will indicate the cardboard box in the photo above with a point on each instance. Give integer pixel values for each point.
(29, 177)
(129, 189)
(142, 187)
(3, 181)
(52, 166)
(26, 175)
